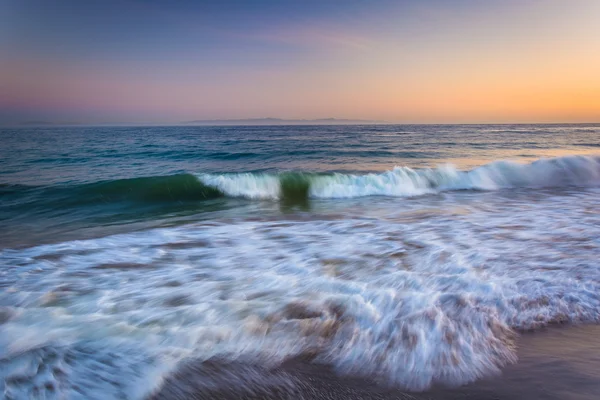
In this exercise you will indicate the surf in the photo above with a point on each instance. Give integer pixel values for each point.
(409, 182)
(297, 187)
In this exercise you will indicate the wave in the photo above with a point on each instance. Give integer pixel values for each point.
(406, 182)
(301, 186)
(155, 189)
(183, 187)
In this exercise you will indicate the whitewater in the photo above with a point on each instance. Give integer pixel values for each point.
(405, 181)
(118, 271)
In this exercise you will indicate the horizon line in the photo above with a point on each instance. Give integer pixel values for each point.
(275, 122)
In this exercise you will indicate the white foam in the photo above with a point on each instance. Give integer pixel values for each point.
(407, 182)
(410, 293)
(248, 185)
(400, 182)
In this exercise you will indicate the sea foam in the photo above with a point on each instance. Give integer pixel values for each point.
(407, 294)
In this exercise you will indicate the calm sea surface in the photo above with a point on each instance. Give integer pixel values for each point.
(407, 253)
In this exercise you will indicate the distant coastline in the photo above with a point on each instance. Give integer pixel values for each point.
(282, 121)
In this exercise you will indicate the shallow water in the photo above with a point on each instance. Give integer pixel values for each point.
(120, 263)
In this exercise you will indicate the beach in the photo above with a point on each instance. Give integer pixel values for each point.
(558, 363)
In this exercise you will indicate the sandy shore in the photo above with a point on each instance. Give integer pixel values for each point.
(560, 363)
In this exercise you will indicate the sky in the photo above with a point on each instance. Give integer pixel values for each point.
(420, 61)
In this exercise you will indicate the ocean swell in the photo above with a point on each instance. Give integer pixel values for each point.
(144, 190)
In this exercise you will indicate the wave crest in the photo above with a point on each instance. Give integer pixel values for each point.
(301, 186)
(406, 182)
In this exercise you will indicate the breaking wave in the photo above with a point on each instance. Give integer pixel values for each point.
(406, 182)
(299, 186)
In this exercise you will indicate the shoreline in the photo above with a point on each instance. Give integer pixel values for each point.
(555, 363)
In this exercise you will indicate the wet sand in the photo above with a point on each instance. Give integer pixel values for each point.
(559, 363)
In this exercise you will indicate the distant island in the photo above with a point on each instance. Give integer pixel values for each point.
(281, 121)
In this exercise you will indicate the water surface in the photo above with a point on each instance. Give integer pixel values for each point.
(408, 254)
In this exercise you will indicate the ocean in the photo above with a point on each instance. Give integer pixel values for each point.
(411, 255)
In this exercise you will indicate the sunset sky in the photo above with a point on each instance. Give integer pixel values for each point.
(415, 61)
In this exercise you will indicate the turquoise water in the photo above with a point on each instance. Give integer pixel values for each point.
(409, 254)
